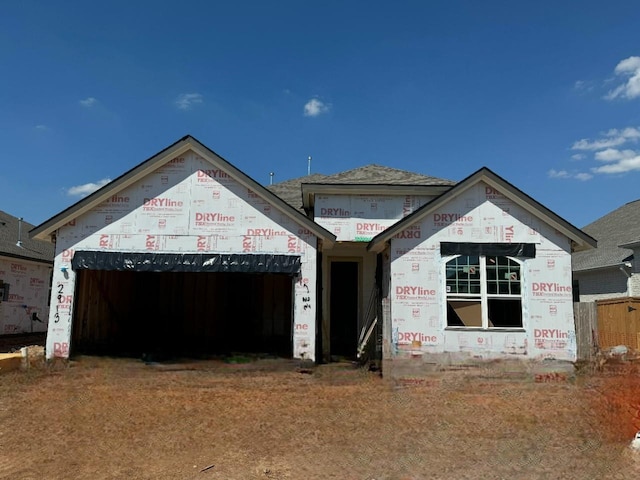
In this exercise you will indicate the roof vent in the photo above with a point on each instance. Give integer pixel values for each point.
(19, 242)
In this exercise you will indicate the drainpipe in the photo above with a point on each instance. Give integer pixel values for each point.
(623, 269)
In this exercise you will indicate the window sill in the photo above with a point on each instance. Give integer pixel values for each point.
(480, 329)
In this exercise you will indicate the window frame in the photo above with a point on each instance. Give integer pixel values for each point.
(483, 297)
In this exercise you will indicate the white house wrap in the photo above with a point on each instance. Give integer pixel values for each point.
(476, 270)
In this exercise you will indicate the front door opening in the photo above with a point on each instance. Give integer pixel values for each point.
(343, 308)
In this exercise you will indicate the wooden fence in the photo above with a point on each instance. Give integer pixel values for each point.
(605, 324)
(619, 322)
(586, 320)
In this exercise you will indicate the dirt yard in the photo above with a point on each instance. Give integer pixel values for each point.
(105, 418)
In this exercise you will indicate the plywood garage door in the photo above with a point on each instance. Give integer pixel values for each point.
(182, 313)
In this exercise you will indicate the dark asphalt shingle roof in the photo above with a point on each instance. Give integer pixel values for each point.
(381, 175)
(31, 249)
(290, 190)
(620, 227)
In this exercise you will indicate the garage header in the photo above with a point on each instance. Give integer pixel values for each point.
(185, 262)
(524, 250)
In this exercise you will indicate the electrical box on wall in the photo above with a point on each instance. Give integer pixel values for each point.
(4, 291)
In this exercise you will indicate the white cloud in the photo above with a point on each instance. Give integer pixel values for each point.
(605, 151)
(612, 138)
(87, 188)
(564, 174)
(621, 166)
(186, 101)
(628, 65)
(583, 86)
(629, 69)
(41, 127)
(583, 176)
(630, 133)
(88, 102)
(315, 107)
(585, 144)
(613, 155)
(558, 174)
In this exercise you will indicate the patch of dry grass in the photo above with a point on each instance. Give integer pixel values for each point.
(101, 418)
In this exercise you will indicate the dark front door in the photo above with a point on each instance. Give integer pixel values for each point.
(344, 309)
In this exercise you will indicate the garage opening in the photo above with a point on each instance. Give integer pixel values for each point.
(170, 313)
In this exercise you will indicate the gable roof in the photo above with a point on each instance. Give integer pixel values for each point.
(11, 232)
(580, 240)
(374, 177)
(180, 147)
(613, 231)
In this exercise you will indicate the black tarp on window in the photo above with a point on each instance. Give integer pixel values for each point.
(522, 250)
(185, 262)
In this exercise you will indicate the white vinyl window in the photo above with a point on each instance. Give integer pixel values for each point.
(484, 291)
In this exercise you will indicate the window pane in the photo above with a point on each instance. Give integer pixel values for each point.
(503, 276)
(491, 273)
(503, 273)
(462, 313)
(463, 275)
(505, 312)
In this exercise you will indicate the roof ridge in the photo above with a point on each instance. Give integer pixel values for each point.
(377, 165)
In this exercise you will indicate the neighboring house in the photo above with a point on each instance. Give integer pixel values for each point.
(25, 274)
(186, 253)
(613, 269)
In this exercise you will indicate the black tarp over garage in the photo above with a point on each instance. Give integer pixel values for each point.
(181, 304)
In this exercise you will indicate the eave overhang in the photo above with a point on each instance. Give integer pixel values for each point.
(579, 239)
(309, 190)
(182, 146)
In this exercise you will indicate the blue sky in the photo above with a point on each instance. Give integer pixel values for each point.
(546, 94)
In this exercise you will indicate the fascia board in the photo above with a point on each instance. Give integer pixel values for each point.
(377, 244)
(79, 208)
(142, 170)
(264, 194)
(611, 266)
(630, 245)
(580, 240)
(309, 190)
